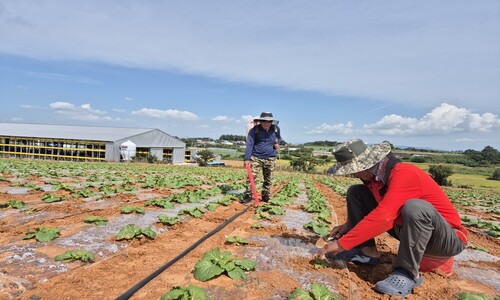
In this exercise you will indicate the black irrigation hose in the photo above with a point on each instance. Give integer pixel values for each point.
(143, 282)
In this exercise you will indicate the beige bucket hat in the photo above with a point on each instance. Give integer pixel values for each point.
(355, 156)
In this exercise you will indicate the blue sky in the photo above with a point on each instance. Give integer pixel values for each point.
(415, 73)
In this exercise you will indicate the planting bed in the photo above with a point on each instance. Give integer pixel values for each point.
(278, 242)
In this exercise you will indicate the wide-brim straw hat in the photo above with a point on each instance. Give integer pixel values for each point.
(355, 156)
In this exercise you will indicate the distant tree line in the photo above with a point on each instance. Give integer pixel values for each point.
(303, 160)
(192, 142)
(471, 158)
(488, 155)
(322, 144)
(232, 138)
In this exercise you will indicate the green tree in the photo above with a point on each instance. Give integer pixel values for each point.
(417, 159)
(440, 174)
(203, 157)
(496, 174)
(304, 160)
(152, 159)
(474, 157)
(490, 155)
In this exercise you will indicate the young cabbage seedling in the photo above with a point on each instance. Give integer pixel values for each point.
(215, 262)
(191, 292)
(236, 240)
(317, 292)
(83, 255)
(42, 234)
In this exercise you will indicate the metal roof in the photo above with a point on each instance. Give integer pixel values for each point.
(71, 132)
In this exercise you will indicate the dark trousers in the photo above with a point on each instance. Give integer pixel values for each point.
(423, 229)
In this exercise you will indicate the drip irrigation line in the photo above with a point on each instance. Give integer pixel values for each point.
(143, 282)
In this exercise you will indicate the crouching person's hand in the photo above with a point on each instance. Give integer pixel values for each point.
(333, 247)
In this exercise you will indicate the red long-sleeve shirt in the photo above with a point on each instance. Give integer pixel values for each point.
(405, 182)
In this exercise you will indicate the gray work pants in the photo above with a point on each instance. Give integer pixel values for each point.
(423, 229)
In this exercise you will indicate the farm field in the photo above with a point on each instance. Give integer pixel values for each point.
(135, 219)
(469, 177)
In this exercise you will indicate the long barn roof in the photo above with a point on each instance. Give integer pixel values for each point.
(71, 132)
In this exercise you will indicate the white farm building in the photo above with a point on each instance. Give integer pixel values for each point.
(86, 143)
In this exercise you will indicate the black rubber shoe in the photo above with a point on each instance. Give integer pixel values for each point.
(247, 198)
(265, 197)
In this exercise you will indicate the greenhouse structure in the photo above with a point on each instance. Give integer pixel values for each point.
(87, 143)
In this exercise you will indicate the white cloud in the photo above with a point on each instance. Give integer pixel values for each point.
(486, 122)
(86, 107)
(27, 106)
(222, 118)
(84, 112)
(392, 125)
(445, 118)
(333, 129)
(62, 106)
(246, 119)
(166, 114)
(442, 120)
(129, 99)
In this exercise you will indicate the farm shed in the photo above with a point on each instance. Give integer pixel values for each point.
(86, 143)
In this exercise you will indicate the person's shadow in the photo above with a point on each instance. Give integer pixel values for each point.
(368, 273)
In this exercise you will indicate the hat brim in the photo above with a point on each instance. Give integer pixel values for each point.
(263, 119)
(362, 162)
